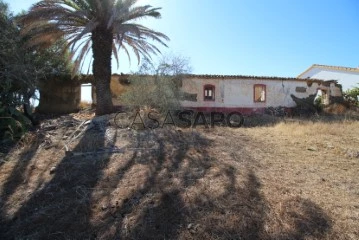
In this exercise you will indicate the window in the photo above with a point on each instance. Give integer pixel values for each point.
(259, 93)
(209, 91)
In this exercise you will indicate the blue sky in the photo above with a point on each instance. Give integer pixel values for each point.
(262, 37)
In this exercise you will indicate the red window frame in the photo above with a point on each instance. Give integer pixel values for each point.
(209, 87)
(263, 86)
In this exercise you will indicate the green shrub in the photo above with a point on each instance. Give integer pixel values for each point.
(13, 124)
(318, 103)
(160, 92)
(352, 96)
(157, 85)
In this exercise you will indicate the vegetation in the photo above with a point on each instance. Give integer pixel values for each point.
(352, 96)
(105, 27)
(318, 103)
(271, 182)
(12, 124)
(21, 70)
(157, 85)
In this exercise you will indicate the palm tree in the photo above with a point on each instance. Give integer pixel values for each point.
(103, 26)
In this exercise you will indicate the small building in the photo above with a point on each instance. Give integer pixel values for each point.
(348, 77)
(246, 94)
(251, 94)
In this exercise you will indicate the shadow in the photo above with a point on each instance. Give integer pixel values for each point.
(17, 176)
(6, 147)
(237, 213)
(167, 184)
(260, 120)
(176, 199)
(61, 208)
(162, 220)
(305, 219)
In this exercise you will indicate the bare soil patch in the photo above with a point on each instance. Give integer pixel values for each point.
(77, 178)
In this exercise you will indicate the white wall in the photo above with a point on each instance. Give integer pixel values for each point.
(230, 93)
(346, 79)
(86, 90)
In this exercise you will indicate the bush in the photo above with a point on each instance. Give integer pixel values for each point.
(159, 92)
(157, 86)
(352, 96)
(318, 103)
(13, 124)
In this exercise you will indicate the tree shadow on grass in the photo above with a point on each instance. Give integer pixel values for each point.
(61, 208)
(186, 193)
(168, 185)
(17, 177)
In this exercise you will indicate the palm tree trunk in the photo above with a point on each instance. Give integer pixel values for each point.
(102, 51)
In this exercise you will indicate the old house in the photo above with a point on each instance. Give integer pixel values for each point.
(247, 94)
(251, 94)
(346, 76)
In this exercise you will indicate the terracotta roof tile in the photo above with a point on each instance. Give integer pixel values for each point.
(244, 77)
(239, 77)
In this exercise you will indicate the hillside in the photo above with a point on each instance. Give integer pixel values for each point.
(81, 178)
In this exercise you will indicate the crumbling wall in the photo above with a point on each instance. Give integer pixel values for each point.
(331, 95)
(119, 85)
(237, 92)
(59, 96)
(305, 105)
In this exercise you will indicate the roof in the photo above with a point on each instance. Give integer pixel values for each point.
(242, 77)
(328, 67)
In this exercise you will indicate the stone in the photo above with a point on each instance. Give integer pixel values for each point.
(52, 170)
(104, 207)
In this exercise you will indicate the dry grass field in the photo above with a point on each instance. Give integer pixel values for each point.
(90, 180)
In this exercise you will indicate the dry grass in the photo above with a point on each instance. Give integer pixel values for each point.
(117, 88)
(336, 108)
(318, 161)
(85, 105)
(295, 180)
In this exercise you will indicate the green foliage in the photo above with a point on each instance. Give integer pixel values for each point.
(13, 124)
(21, 70)
(154, 92)
(318, 103)
(106, 27)
(157, 85)
(79, 21)
(352, 96)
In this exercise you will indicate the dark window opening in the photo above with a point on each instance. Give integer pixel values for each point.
(209, 92)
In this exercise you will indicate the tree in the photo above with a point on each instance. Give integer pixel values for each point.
(21, 70)
(157, 85)
(352, 95)
(105, 26)
(169, 64)
(17, 68)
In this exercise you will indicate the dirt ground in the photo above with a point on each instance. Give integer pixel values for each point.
(76, 178)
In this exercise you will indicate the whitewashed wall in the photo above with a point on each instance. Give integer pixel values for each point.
(230, 93)
(86, 93)
(346, 79)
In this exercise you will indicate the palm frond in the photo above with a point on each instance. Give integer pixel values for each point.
(90, 26)
(115, 53)
(127, 53)
(77, 20)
